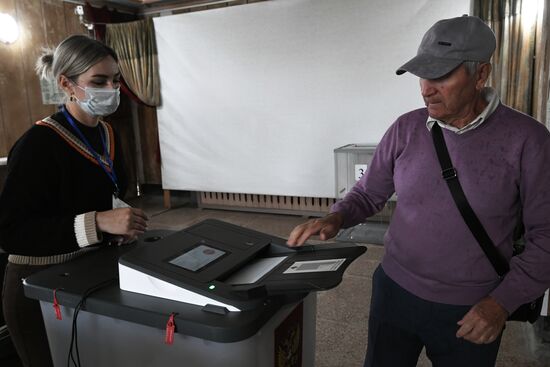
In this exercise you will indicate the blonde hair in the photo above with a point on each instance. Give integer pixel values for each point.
(72, 57)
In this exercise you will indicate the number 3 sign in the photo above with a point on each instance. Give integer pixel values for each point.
(360, 170)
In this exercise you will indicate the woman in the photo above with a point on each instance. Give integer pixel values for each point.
(65, 179)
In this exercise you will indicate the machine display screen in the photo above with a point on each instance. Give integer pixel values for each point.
(197, 258)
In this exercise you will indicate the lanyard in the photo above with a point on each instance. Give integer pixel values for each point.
(111, 174)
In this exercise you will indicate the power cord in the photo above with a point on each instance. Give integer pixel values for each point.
(74, 332)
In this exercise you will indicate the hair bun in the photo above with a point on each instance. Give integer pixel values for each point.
(44, 63)
(47, 58)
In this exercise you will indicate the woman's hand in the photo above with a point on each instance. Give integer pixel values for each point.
(127, 222)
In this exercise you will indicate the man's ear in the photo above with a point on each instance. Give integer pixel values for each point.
(483, 75)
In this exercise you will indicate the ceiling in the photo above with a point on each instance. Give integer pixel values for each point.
(148, 6)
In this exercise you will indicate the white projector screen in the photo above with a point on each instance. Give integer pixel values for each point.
(255, 98)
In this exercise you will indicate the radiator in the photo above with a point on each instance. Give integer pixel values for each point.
(278, 204)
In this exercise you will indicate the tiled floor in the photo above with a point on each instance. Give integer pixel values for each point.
(343, 311)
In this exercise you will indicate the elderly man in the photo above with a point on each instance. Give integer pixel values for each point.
(435, 287)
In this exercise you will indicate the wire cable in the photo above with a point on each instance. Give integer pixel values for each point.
(74, 354)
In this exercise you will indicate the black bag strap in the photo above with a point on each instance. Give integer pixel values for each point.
(450, 176)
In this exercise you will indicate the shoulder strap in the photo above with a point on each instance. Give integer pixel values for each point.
(451, 177)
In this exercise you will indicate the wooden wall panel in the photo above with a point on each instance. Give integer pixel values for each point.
(55, 29)
(72, 23)
(3, 135)
(121, 121)
(150, 148)
(31, 19)
(6, 52)
(3, 141)
(13, 95)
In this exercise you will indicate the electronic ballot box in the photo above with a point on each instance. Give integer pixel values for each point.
(209, 295)
(222, 265)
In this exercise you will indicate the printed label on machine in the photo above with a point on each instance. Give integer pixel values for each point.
(314, 266)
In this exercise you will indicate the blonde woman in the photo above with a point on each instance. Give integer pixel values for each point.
(64, 185)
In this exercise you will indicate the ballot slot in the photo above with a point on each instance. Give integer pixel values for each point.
(255, 270)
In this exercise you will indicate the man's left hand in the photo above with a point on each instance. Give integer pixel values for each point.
(483, 323)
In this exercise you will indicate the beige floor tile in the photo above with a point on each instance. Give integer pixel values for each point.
(364, 265)
(340, 344)
(347, 303)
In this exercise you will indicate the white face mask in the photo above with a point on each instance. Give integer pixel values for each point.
(99, 101)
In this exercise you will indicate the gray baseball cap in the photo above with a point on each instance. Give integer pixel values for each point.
(448, 43)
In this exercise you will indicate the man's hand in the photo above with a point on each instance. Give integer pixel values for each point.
(326, 227)
(483, 323)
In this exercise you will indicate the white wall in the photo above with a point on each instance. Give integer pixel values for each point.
(255, 98)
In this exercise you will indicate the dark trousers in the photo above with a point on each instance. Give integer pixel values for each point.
(24, 318)
(401, 324)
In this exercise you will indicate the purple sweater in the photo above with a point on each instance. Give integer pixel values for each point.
(502, 165)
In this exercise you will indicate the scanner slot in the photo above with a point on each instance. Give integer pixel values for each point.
(254, 270)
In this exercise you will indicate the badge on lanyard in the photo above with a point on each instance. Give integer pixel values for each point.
(117, 203)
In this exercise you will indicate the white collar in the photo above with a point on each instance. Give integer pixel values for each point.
(492, 99)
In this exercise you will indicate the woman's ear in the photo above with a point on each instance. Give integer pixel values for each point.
(66, 85)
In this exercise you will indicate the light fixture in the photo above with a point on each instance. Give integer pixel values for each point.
(530, 10)
(9, 30)
(79, 10)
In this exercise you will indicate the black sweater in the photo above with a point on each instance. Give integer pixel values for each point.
(47, 185)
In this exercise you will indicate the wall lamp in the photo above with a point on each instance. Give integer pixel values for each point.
(9, 30)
